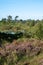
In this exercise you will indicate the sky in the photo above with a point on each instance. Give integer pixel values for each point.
(25, 9)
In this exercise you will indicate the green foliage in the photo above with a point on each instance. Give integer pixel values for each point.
(39, 33)
(30, 29)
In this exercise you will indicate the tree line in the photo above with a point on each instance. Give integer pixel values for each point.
(30, 28)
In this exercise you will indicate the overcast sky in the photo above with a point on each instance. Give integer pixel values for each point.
(25, 9)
